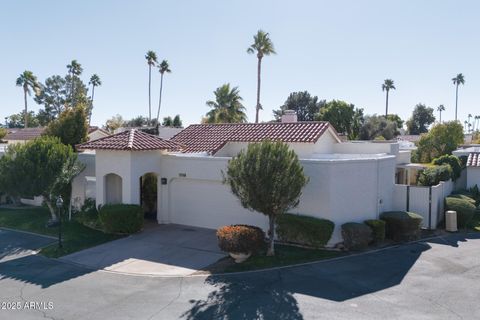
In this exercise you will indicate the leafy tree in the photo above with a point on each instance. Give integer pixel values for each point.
(114, 123)
(422, 117)
(162, 68)
(3, 133)
(441, 140)
(377, 127)
(306, 106)
(74, 70)
(341, 116)
(387, 86)
(53, 96)
(27, 80)
(396, 118)
(267, 178)
(177, 122)
(440, 108)
(227, 106)
(94, 82)
(458, 80)
(262, 46)
(138, 121)
(18, 120)
(167, 122)
(71, 127)
(42, 167)
(151, 58)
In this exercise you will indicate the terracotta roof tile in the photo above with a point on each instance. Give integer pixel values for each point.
(24, 134)
(212, 137)
(134, 140)
(473, 159)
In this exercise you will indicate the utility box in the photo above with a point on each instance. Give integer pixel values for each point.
(451, 221)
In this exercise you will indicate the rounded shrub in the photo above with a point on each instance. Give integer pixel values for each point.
(464, 208)
(121, 218)
(378, 229)
(304, 230)
(434, 175)
(240, 238)
(356, 236)
(454, 163)
(402, 225)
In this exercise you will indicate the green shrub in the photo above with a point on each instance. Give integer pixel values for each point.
(304, 230)
(402, 225)
(454, 163)
(464, 208)
(240, 239)
(378, 229)
(432, 176)
(463, 197)
(121, 218)
(356, 236)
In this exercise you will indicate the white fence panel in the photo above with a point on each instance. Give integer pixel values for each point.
(419, 203)
(399, 202)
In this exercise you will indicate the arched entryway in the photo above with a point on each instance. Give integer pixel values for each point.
(149, 195)
(113, 188)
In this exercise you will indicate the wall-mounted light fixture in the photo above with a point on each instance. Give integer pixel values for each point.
(182, 174)
(163, 181)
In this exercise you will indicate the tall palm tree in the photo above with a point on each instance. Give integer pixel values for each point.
(262, 46)
(440, 108)
(94, 82)
(75, 70)
(227, 106)
(151, 57)
(458, 80)
(387, 86)
(465, 125)
(28, 81)
(469, 123)
(475, 120)
(162, 68)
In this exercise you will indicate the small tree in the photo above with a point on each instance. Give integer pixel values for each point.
(267, 178)
(42, 167)
(71, 127)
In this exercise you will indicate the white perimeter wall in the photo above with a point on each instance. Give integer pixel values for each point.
(473, 176)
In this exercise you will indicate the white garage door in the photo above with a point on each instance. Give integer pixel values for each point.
(208, 204)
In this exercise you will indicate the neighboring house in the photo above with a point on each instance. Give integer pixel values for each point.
(22, 135)
(349, 181)
(473, 164)
(163, 132)
(95, 133)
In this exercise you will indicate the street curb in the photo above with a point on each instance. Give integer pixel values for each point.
(28, 232)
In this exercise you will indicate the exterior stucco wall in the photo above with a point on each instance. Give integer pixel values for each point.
(473, 177)
(80, 184)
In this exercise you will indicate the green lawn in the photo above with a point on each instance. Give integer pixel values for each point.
(75, 236)
(284, 255)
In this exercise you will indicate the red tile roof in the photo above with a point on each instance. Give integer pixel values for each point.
(473, 159)
(24, 134)
(212, 137)
(133, 140)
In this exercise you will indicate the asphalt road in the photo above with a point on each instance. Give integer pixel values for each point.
(438, 279)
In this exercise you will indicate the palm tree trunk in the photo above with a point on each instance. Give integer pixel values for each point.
(386, 105)
(91, 106)
(440, 116)
(160, 99)
(456, 102)
(271, 236)
(259, 70)
(25, 121)
(149, 94)
(71, 95)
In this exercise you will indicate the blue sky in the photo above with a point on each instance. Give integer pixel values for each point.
(334, 49)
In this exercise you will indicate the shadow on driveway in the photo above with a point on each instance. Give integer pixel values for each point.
(271, 294)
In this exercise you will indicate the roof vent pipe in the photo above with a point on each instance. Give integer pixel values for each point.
(289, 116)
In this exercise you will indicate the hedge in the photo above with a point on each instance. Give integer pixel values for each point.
(304, 230)
(240, 239)
(356, 236)
(464, 208)
(378, 229)
(402, 225)
(454, 163)
(433, 175)
(121, 218)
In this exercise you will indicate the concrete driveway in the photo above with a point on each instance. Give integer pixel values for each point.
(161, 250)
(16, 244)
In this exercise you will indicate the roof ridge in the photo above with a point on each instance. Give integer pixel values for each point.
(131, 136)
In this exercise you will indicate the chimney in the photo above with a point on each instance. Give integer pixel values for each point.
(289, 116)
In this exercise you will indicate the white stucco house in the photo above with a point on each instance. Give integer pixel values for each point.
(349, 181)
(473, 164)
